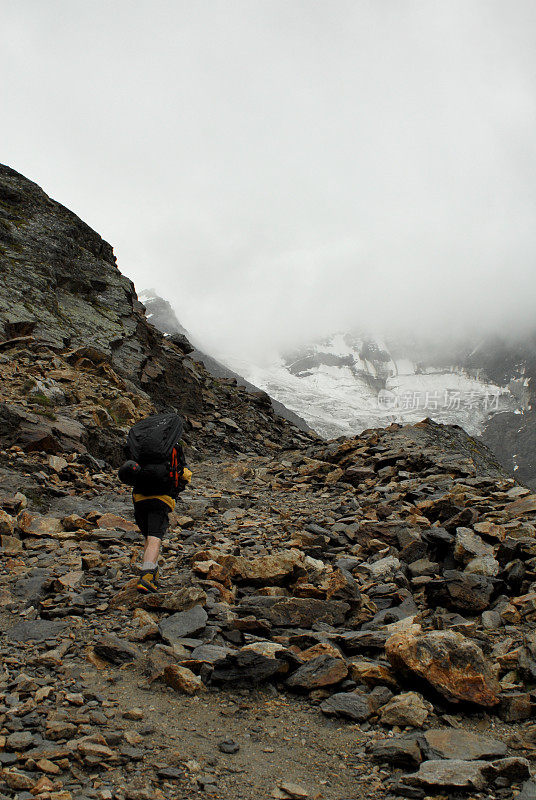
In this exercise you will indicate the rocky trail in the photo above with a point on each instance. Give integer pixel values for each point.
(350, 620)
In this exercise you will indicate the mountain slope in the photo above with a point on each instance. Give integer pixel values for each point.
(160, 313)
(62, 297)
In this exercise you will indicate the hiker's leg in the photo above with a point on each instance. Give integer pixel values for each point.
(152, 550)
(152, 517)
(155, 530)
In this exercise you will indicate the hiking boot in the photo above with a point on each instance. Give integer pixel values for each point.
(148, 581)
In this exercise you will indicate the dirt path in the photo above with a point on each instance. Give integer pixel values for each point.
(280, 739)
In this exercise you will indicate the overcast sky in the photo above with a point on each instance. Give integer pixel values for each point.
(281, 168)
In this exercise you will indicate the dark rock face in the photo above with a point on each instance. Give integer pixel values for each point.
(57, 271)
(60, 281)
(512, 437)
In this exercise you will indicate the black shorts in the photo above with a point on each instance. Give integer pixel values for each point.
(152, 517)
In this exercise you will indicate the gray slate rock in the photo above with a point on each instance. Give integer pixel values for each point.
(32, 587)
(20, 740)
(356, 705)
(461, 591)
(228, 746)
(442, 743)
(294, 611)
(36, 630)
(349, 705)
(528, 791)
(455, 773)
(182, 624)
(210, 653)
(402, 751)
(244, 668)
(322, 671)
(118, 651)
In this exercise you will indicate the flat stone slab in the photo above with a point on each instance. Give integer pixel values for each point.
(294, 611)
(456, 773)
(400, 751)
(210, 653)
(37, 630)
(348, 705)
(442, 743)
(182, 624)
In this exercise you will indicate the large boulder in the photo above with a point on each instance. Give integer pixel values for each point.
(449, 662)
(183, 624)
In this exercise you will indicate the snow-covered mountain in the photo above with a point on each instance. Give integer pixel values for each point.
(346, 383)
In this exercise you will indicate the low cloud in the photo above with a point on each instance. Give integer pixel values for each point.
(280, 170)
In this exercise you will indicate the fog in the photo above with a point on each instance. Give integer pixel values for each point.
(278, 169)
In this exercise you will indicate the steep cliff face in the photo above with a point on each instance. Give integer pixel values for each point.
(65, 308)
(60, 279)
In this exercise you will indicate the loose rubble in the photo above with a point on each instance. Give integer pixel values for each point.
(309, 587)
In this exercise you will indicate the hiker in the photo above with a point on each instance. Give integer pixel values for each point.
(157, 472)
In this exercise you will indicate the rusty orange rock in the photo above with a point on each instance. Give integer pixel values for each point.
(451, 663)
